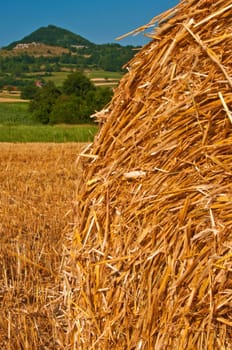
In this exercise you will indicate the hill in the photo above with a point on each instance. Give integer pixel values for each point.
(34, 49)
(52, 36)
(52, 49)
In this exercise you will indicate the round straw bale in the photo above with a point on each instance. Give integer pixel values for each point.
(151, 259)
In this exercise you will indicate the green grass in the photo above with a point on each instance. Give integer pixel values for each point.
(104, 74)
(15, 113)
(47, 133)
(59, 77)
(17, 125)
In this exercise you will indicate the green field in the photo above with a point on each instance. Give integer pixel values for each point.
(104, 74)
(17, 125)
(15, 113)
(47, 133)
(59, 77)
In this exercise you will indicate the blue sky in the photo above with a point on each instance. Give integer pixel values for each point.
(100, 21)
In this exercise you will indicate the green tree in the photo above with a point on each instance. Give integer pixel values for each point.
(98, 98)
(103, 96)
(70, 109)
(29, 91)
(43, 102)
(77, 84)
(76, 103)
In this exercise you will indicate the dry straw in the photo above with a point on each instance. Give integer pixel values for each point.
(151, 257)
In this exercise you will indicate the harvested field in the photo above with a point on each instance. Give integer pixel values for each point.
(37, 186)
(6, 96)
(11, 99)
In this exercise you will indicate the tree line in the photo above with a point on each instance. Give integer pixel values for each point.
(73, 103)
(109, 57)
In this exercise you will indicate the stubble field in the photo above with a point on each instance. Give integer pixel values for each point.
(37, 190)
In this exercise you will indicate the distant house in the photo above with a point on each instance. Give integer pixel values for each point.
(25, 45)
(79, 46)
(38, 83)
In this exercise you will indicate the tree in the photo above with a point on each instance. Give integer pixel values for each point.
(29, 91)
(43, 102)
(97, 99)
(77, 84)
(76, 103)
(102, 96)
(69, 109)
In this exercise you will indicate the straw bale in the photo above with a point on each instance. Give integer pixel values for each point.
(151, 259)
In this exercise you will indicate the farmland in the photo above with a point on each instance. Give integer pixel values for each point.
(17, 125)
(37, 190)
(14, 113)
(98, 77)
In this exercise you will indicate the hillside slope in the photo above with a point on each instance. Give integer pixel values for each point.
(52, 36)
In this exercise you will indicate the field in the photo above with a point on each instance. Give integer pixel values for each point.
(98, 77)
(47, 133)
(37, 190)
(15, 113)
(17, 125)
(7, 96)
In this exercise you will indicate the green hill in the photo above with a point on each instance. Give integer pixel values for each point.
(53, 36)
(53, 49)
